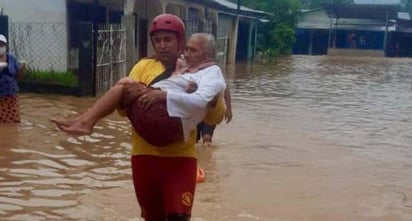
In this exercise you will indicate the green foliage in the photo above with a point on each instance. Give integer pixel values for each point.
(52, 77)
(279, 42)
(276, 37)
(283, 38)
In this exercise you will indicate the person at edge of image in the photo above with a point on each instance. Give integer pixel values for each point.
(10, 71)
(205, 129)
(164, 178)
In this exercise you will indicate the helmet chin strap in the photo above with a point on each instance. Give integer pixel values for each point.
(169, 63)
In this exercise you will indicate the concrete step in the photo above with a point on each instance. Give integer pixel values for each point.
(355, 52)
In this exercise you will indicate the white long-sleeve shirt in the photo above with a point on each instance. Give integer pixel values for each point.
(191, 108)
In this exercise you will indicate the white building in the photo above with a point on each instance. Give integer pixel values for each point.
(38, 32)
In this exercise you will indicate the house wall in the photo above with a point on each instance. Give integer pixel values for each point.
(227, 27)
(143, 11)
(34, 10)
(38, 32)
(246, 40)
(224, 28)
(316, 19)
(197, 17)
(314, 27)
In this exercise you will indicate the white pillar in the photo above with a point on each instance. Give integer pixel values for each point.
(233, 42)
(129, 7)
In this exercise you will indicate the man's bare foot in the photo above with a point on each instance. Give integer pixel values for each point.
(76, 126)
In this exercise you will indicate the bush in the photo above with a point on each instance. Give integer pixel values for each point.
(53, 77)
(283, 38)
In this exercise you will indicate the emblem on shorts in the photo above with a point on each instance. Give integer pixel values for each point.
(187, 198)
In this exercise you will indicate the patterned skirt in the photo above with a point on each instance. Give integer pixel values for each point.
(153, 124)
(9, 109)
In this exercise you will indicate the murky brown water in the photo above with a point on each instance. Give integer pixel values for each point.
(313, 138)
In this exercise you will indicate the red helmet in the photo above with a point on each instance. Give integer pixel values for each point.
(168, 22)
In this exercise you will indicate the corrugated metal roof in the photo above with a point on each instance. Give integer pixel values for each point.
(404, 16)
(314, 19)
(232, 5)
(372, 11)
(318, 19)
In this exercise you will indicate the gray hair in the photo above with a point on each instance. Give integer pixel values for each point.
(208, 43)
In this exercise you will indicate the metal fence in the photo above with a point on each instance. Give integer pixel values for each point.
(209, 27)
(42, 45)
(221, 50)
(111, 56)
(193, 26)
(57, 47)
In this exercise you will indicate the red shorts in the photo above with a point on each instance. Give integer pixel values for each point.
(164, 185)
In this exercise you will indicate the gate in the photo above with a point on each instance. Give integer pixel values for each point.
(221, 50)
(110, 56)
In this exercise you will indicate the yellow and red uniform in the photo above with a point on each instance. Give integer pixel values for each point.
(165, 177)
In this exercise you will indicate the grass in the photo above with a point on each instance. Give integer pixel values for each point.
(53, 77)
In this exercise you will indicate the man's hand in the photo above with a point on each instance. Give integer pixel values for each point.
(130, 92)
(228, 115)
(191, 87)
(213, 102)
(228, 101)
(152, 97)
(125, 80)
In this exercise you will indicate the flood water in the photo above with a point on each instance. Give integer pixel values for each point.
(312, 139)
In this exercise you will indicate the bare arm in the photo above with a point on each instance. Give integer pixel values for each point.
(20, 72)
(228, 101)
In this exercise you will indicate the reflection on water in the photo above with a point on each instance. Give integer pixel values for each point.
(43, 171)
(313, 138)
(368, 99)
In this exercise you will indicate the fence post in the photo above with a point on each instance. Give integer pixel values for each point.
(86, 82)
(4, 25)
(128, 21)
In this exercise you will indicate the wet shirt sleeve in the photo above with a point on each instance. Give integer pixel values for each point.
(215, 115)
(210, 84)
(8, 83)
(13, 65)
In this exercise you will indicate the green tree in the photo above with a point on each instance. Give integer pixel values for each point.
(276, 37)
(284, 38)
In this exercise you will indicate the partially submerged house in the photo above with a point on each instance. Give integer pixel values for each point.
(101, 40)
(357, 30)
(235, 28)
